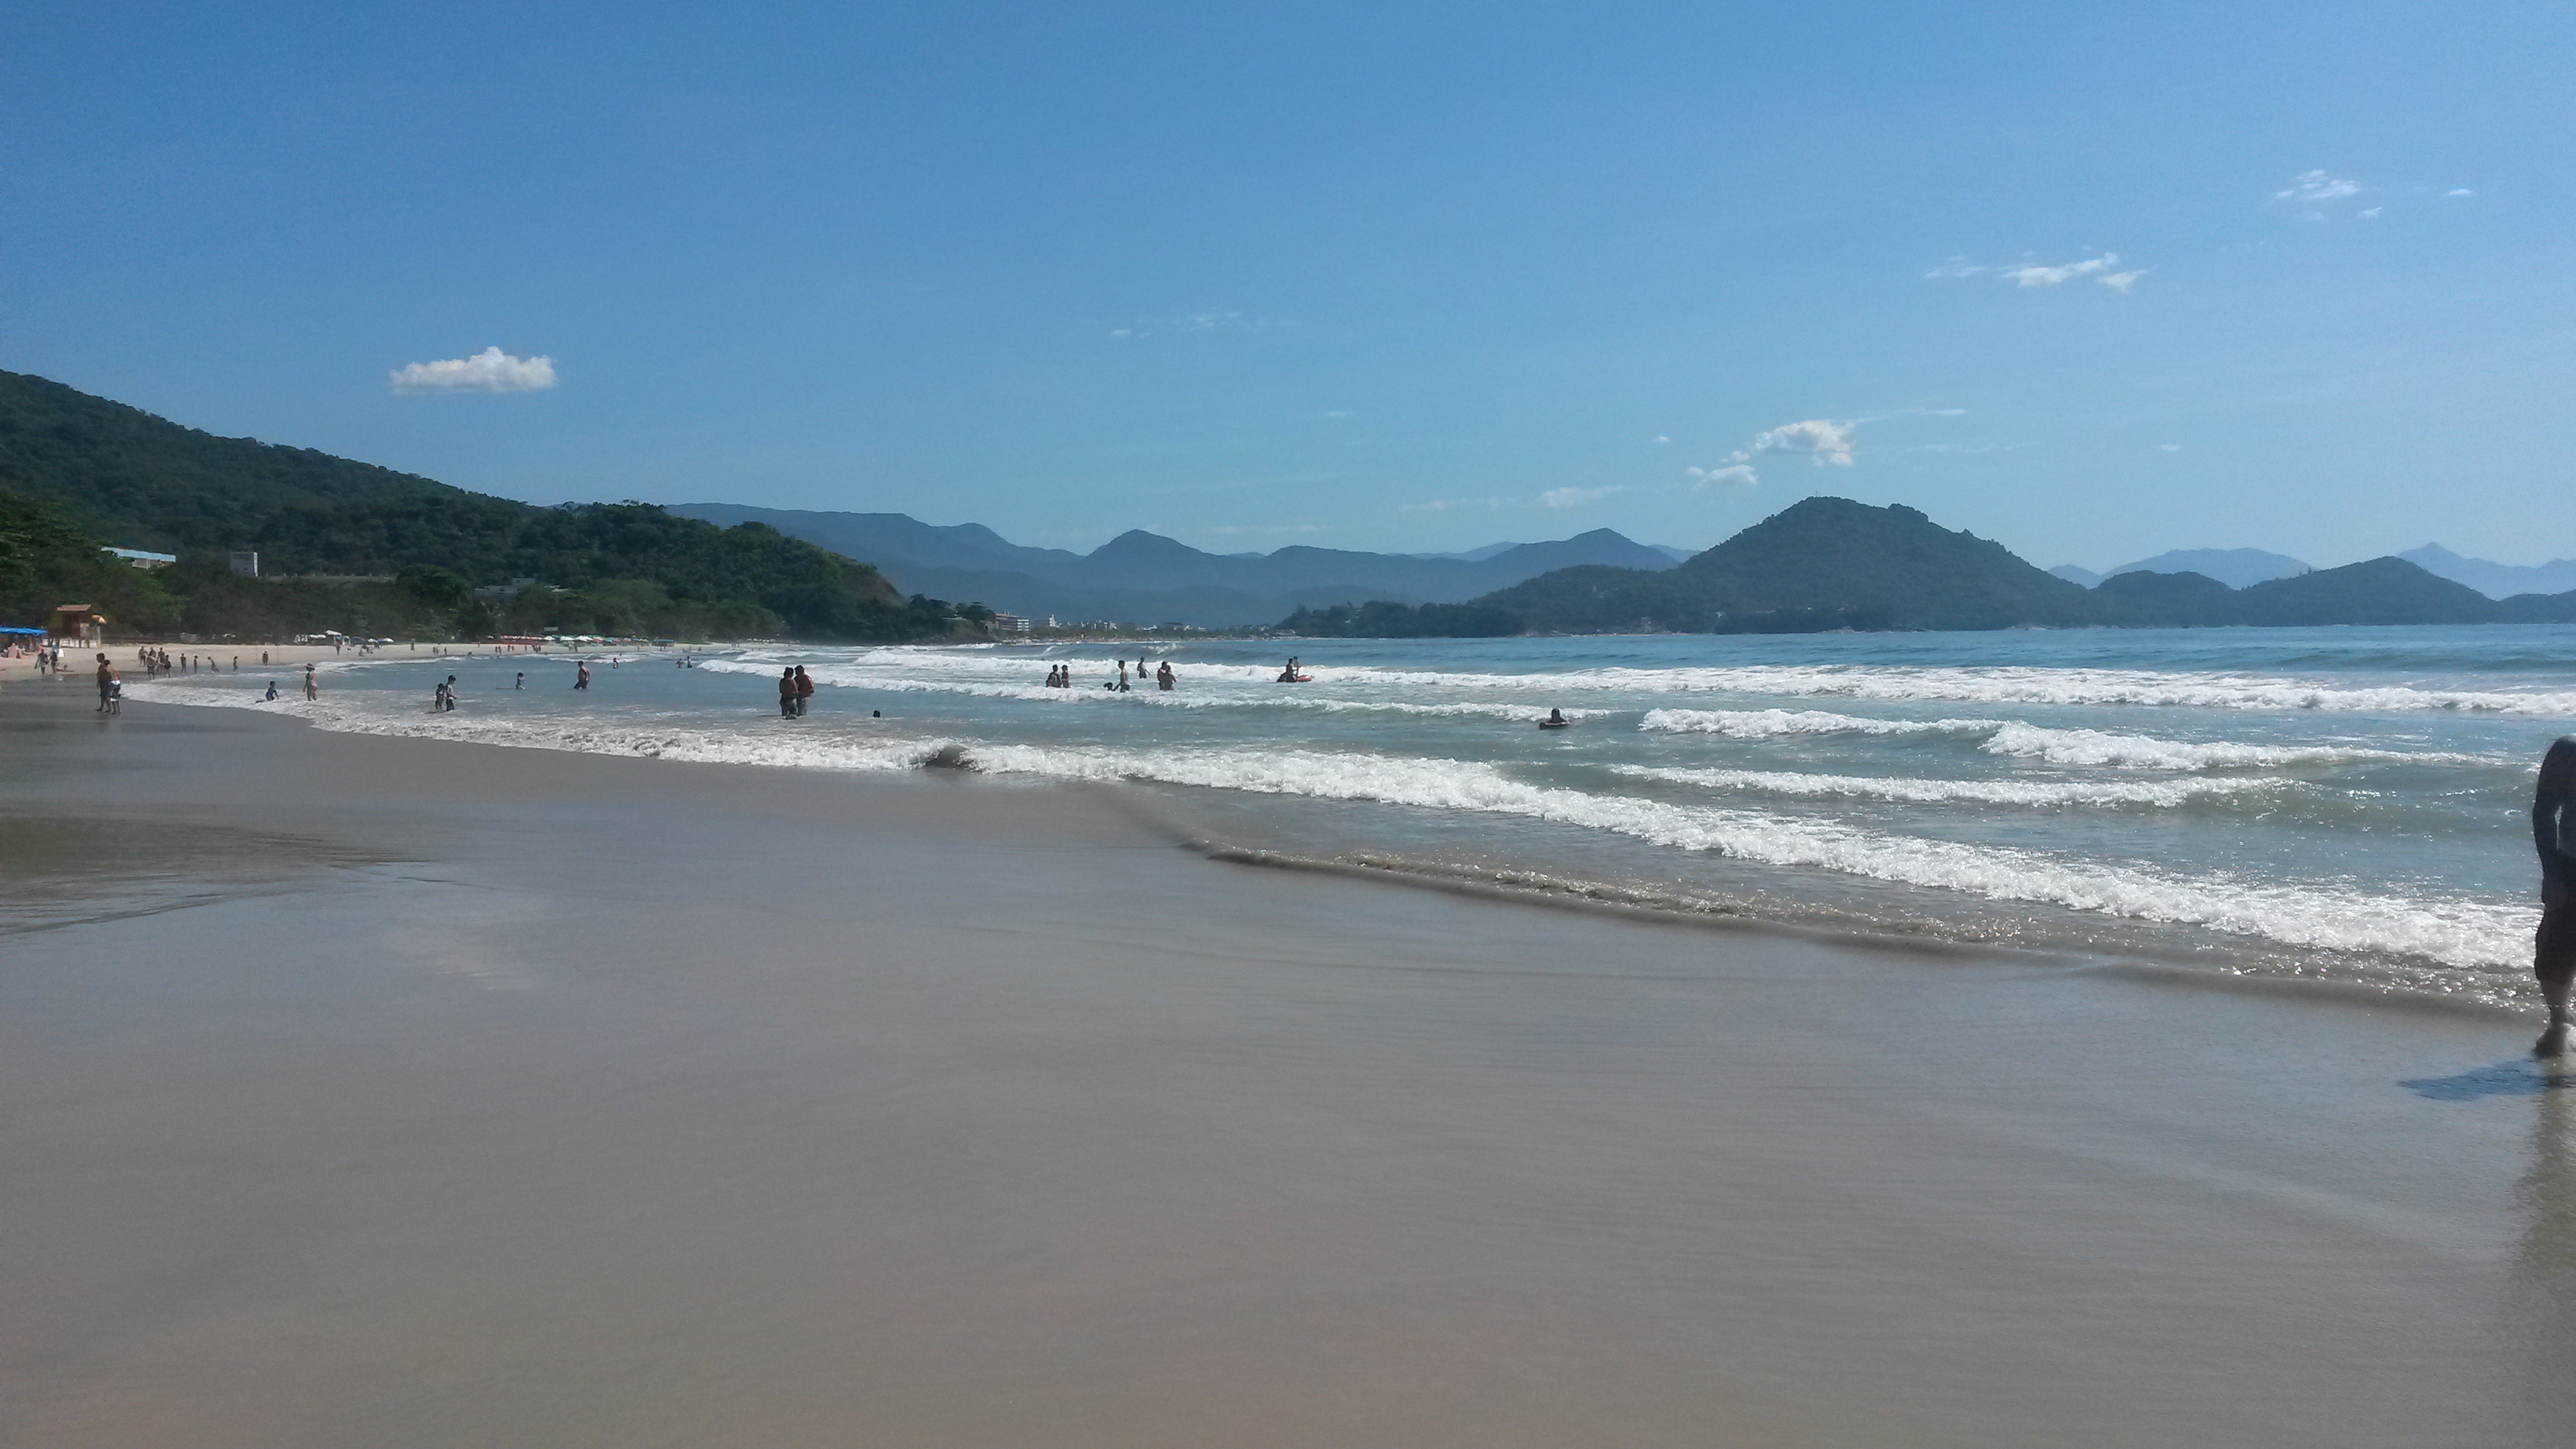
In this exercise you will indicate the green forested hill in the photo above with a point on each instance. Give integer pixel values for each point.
(126, 477)
(1821, 563)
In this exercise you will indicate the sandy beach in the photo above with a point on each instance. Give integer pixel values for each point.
(122, 654)
(399, 1092)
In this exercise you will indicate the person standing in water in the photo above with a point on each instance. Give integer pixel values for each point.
(804, 690)
(2553, 953)
(106, 684)
(787, 694)
(1163, 674)
(521, 682)
(312, 686)
(581, 679)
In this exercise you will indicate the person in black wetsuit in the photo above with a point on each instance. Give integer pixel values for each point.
(2553, 831)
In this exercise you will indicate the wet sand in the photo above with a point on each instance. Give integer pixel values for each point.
(360, 1091)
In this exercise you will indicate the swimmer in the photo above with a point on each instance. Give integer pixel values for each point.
(2553, 956)
(1555, 720)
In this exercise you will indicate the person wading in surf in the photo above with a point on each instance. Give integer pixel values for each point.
(2553, 955)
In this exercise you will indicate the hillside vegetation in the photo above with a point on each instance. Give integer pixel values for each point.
(123, 476)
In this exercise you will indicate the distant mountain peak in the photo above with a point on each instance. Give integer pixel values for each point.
(2495, 580)
(2238, 568)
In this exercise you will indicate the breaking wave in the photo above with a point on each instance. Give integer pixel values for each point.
(2164, 794)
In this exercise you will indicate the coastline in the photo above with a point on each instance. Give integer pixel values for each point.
(408, 1091)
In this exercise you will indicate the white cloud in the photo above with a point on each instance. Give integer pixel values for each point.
(1445, 505)
(2459, 191)
(1730, 475)
(1575, 497)
(2168, 447)
(490, 370)
(2372, 212)
(2313, 187)
(2034, 274)
(2042, 274)
(1660, 438)
(1819, 438)
(1122, 331)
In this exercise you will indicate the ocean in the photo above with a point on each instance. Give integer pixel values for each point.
(2342, 805)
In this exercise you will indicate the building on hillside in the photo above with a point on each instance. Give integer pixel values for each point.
(245, 562)
(144, 558)
(1009, 623)
(75, 624)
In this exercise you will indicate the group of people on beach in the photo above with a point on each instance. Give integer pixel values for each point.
(1060, 676)
(156, 660)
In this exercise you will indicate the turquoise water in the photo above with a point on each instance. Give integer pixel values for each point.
(2341, 803)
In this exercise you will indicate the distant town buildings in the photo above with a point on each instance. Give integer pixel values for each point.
(144, 558)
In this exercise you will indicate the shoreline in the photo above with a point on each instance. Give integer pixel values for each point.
(385, 1090)
(1826, 909)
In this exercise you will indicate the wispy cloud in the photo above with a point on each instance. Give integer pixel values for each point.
(1727, 475)
(2037, 274)
(490, 370)
(2313, 188)
(2459, 191)
(1195, 322)
(2043, 274)
(1449, 505)
(1821, 439)
(1576, 497)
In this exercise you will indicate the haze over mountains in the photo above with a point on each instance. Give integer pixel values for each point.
(2238, 568)
(1145, 578)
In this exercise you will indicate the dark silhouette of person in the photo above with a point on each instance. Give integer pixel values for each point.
(2553, 949)
(787, 694)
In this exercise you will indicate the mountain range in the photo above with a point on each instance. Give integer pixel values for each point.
(1831, 563)
(2244, 567)
(2238, 568)
(1145, 578)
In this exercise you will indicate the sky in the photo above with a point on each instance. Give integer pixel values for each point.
(2094, 281)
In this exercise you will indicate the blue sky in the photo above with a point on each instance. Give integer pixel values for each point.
(2094, 281)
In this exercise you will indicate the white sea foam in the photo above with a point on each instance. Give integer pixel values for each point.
(2038, 793)
(1763, 724)
(2095, 747)
(2460, 932)
(2056, 746)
